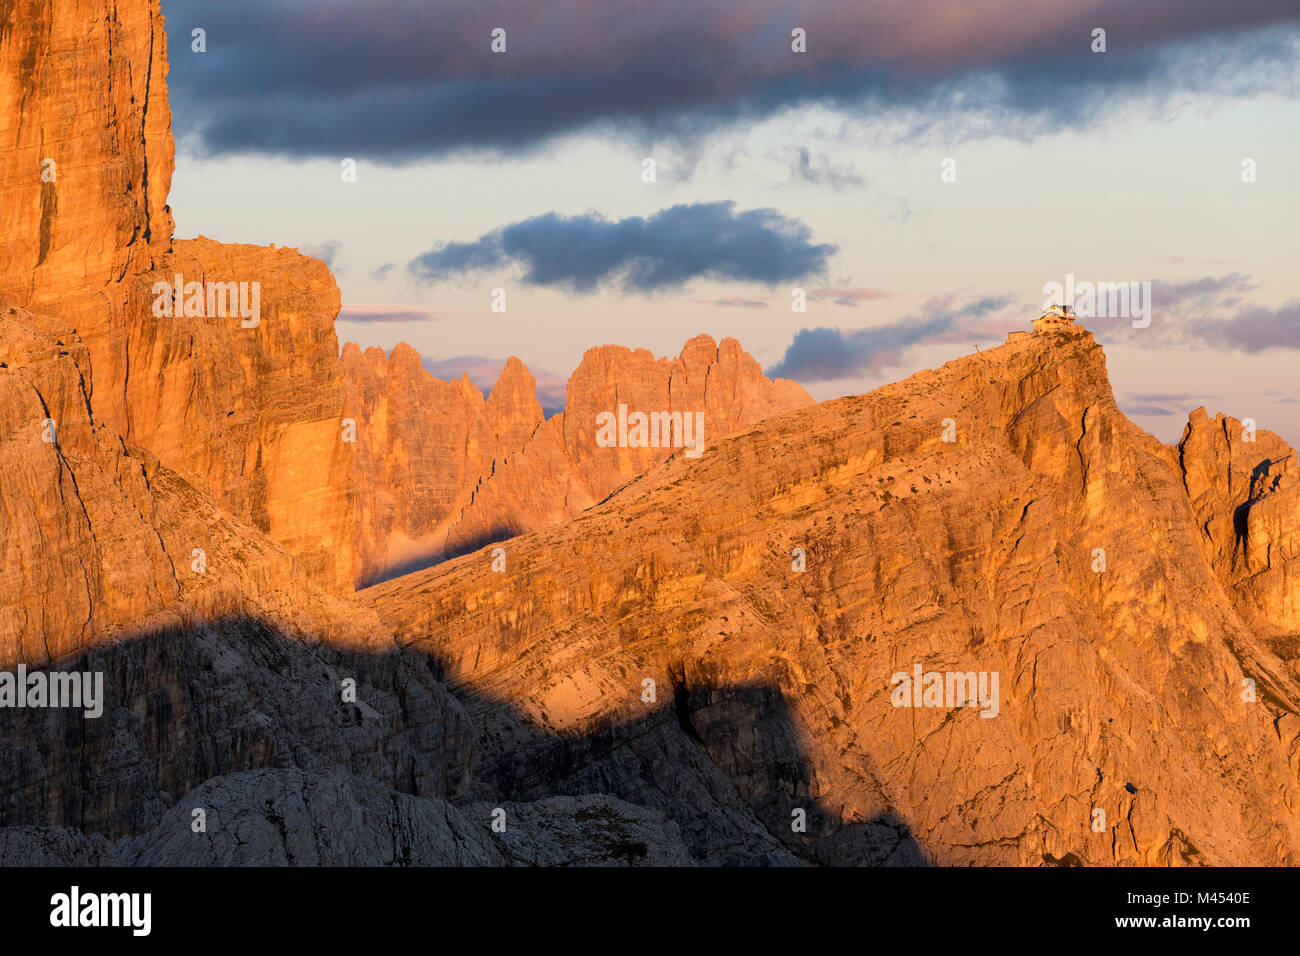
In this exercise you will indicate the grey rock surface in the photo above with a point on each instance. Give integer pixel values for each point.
(296, 818)
(588, 830)
(54, 846)
(186, 706)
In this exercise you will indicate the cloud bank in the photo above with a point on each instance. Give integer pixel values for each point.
(333, 78)
(1213, 312)
(663, 251)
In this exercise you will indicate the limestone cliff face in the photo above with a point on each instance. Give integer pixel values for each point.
(255, 416)
(565, 469)
(1245, 489)
(512, 407)
(422, 443)
(85, 144)
(1050, 541)
(79, 554)
(251, 415)
(100, 540)
(441, 471)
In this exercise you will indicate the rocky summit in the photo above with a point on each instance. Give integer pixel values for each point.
(997, 516)
(346, 613)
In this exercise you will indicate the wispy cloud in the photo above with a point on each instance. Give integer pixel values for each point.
(1212, 312)
(1179, 397)
(1200, 292)
(820, 171)
(846, 296)
(385, 313)
(1162, 403)
(663, 251)
(327, 251)
(733, 302)
(822, 354)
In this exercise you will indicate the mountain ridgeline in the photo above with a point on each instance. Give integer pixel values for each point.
(360, 616)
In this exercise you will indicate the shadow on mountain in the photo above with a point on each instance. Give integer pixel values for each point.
(184, 705)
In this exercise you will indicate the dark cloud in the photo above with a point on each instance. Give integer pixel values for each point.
(662, 251)
(344, 78)
(822, 354)
(385, 313)
(453, 258)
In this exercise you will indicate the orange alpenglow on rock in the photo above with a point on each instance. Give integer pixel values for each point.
(441, 471)
(249, 415)
(255, 416)
(701, 646)
(974, 557)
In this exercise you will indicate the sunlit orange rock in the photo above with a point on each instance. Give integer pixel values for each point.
(996, 516)
(442, 471)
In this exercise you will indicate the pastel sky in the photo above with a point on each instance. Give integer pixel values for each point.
(774, 170)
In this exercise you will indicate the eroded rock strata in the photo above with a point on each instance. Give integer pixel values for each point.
(1121, 683)
(441, 471)
(681, 658)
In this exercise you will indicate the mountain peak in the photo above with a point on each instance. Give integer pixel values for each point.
(997, 515)
(512, 407)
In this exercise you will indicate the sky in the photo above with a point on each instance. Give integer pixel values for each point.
(921, 171)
